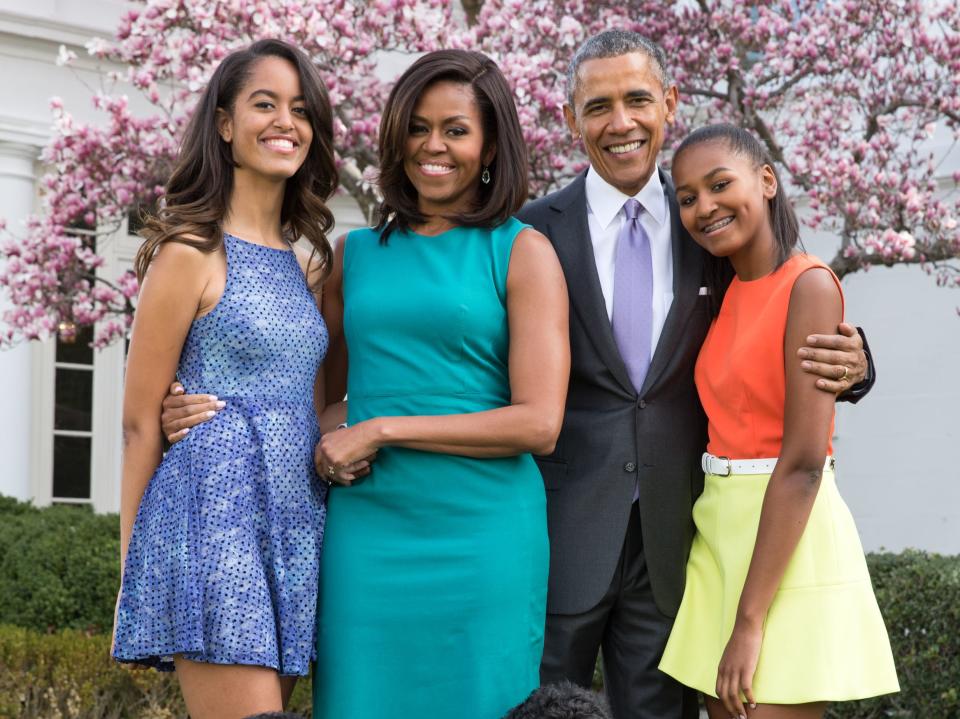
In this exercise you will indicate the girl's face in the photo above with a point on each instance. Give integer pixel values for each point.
(444, 152)
(268, 129)
(724, 198)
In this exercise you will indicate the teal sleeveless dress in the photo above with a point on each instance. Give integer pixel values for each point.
(434, 570)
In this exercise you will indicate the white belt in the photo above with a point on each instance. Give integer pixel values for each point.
(724, 466)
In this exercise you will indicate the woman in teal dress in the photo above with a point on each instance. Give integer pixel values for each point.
(434, 569)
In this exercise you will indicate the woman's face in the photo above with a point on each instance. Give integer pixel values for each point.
(268, 129)
(444, 153)
(723, 197)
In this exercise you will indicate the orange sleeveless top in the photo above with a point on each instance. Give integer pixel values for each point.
(740, 369)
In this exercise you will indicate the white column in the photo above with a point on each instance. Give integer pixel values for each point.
(17, 192)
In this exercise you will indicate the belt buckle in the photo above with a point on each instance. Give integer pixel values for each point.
(729, 468)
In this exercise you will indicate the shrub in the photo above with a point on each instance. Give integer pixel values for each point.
(919, 595)
(59, 567)
(69, 675)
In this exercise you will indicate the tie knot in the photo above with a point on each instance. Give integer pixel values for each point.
(632, 208)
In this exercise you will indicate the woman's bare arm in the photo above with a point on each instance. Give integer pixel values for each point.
(175, 290)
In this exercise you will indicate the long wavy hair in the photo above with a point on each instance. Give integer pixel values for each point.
(198, 192)
(495, 201)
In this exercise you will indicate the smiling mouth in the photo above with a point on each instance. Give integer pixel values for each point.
(626, 147)
(280, 143)
(435, 169)
(716, 226)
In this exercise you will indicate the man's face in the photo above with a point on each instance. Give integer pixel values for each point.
(620, 111)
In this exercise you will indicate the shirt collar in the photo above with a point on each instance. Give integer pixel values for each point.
(605, 201)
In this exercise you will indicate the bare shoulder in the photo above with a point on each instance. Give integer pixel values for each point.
(533, 245)
(185, 256)
(533, 258)
(816, 304)
(816, 284)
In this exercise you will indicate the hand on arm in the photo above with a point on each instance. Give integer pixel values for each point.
(539, 366)
(837, 360)
(815, 306)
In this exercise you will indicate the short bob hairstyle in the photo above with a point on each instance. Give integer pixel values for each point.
(507, 189)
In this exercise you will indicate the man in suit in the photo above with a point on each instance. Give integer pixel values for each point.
(626, 470)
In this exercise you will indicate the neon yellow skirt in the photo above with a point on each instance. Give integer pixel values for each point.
(823, 639)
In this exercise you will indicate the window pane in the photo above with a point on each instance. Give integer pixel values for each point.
(79, 351)
(71, 467)
(74, 399)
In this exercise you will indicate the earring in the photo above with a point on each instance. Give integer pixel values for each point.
(485, 176)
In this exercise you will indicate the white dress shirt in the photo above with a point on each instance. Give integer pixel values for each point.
(605, 217)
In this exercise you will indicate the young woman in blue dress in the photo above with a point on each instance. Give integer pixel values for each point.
(220, 539)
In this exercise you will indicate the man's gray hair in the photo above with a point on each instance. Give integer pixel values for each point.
(613, 43)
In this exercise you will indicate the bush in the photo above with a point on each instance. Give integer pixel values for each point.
(69, 675)
(919, 595)
(60, 570)
(59, 567)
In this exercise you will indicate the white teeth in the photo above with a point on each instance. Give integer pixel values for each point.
(628, 147)
(719, 224)
(279, 143)
(436, 169)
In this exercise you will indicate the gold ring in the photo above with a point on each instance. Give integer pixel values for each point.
(846, 371)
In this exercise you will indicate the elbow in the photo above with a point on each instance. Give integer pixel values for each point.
(544, 434)
(806, 474)
(136, 430)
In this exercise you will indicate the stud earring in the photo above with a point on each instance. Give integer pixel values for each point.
(485, 176)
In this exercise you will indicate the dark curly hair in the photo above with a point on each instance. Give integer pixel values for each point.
(561, 701)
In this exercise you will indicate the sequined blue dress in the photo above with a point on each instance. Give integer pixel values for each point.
(223, 560)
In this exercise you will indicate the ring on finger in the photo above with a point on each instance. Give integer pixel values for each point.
(846, 371)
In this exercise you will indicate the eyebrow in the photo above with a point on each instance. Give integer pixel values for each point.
(710, 174)
(452, 118)
(272, 94)
(631, 95)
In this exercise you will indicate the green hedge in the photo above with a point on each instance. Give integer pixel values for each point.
(919, 595)
(69, 675)
(59, 567)
(59, 572)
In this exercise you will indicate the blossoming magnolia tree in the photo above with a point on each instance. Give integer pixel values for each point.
(846, 96)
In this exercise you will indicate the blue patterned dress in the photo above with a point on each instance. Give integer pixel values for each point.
(224, 556)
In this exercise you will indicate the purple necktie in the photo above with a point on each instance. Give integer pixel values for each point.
(633, 295)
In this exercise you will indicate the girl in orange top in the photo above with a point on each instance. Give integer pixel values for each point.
(778, 615)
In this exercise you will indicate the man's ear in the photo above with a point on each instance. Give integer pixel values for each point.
(768, 181)
(671, 97)
(224, 125)
(571, 117)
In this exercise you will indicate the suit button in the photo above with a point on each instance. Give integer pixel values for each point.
(630, 467)
(642, 404)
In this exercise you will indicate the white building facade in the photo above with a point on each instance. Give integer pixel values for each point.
(60, 416)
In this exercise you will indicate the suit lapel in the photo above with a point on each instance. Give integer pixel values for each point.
(687, 274)
(570, 233)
